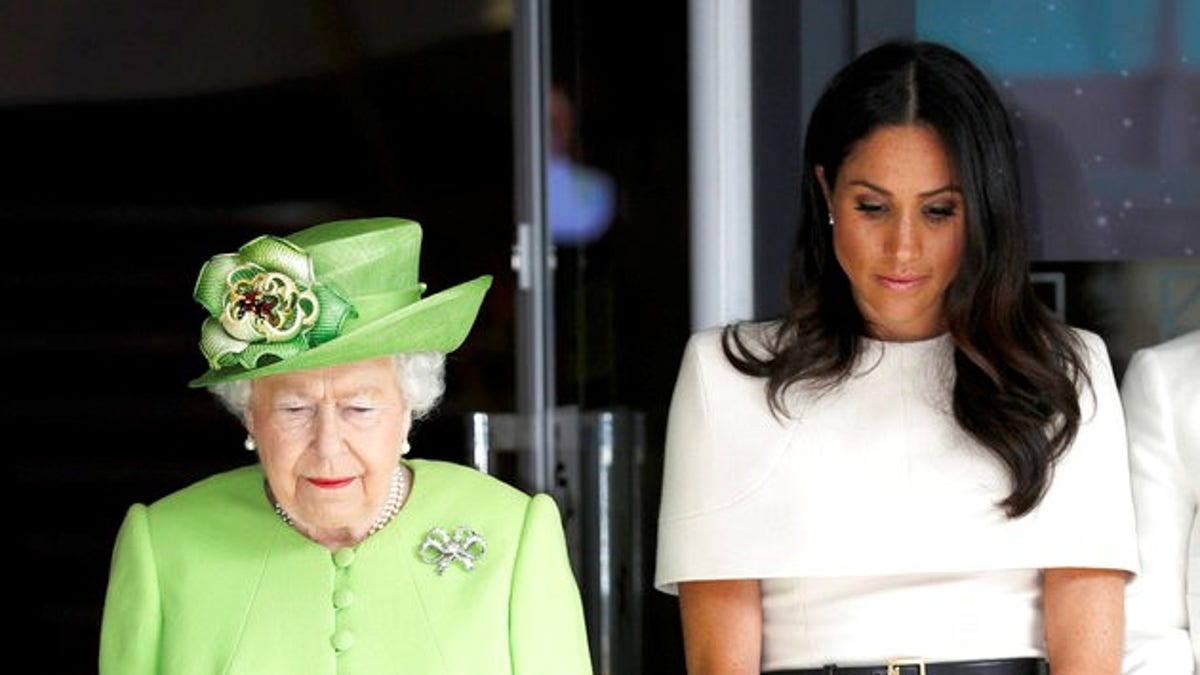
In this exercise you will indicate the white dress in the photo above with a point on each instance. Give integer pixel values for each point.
(871, 517)
(1161, 396)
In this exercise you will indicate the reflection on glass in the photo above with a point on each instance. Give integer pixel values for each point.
(581, 198)
(1103, 95)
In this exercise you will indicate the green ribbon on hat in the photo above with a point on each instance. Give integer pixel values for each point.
(265, 301)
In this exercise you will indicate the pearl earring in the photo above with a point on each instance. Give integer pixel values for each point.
(249, 443)
(404, 448)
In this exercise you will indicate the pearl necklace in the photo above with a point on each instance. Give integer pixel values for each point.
(396, 493)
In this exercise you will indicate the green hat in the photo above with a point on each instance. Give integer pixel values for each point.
(327, 295)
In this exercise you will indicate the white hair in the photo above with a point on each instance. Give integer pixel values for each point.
(421, 376)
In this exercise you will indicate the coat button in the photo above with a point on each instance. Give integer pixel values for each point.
(343, 640)
(343, 557)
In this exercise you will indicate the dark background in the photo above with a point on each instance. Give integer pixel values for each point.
(112, 202)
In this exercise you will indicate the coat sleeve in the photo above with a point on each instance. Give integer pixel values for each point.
(132, 618)
(548, 635)
(1156, 640)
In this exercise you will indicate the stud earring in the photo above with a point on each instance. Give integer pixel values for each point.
(404, 448)
(249, 443)
(831, 220)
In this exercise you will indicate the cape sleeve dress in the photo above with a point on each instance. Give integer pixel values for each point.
(871, 517)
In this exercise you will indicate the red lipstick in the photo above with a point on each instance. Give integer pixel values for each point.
(330, 483)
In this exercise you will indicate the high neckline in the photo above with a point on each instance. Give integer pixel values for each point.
(914, 344)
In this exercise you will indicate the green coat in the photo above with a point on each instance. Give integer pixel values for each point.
(210, 580)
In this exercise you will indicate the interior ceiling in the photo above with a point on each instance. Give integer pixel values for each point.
(56, 51)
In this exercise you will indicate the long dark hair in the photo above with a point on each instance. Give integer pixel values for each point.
(1018, 368)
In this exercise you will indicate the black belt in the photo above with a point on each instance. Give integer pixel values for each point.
(1031, 666)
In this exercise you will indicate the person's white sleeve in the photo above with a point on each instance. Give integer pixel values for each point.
(1157, 641)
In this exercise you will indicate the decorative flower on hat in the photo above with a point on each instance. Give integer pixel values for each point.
(464, 547)
(265, 301)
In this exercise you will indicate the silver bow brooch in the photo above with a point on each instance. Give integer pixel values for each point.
(441, 548)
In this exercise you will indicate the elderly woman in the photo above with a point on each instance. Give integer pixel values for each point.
(332, 553)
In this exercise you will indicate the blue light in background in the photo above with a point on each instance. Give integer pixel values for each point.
(1061, 37)
(1189, 32)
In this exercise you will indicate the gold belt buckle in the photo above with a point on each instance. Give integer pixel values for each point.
(894, 665)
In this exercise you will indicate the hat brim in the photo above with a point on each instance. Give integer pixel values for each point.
(437, 323)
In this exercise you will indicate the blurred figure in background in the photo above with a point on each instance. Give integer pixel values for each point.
(582, 199)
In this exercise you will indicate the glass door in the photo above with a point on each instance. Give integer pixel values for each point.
(599, 262)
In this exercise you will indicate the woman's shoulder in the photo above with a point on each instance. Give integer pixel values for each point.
(1092, 349)
(1170, 365)
(451, 494)
(754, 337)
(1182, 349)
(226, 483)
(221, 501)
(1088, 338)
(452, 481)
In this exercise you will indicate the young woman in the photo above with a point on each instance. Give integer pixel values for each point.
(919, 469)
